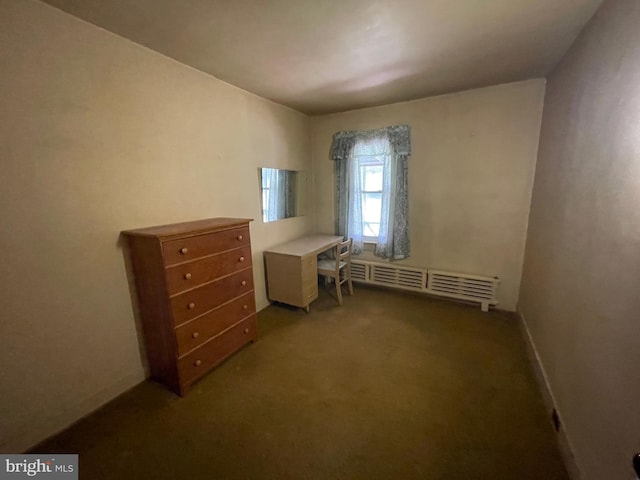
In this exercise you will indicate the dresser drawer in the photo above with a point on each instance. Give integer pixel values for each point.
(189, 248)
(199, 361)
(189, 275)
(194, 333)
(195, 302)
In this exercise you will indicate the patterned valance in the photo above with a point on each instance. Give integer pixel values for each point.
(399, 138)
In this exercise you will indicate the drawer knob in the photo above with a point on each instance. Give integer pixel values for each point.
(184, 250)
(242, 259)
(187, 276)
(244, 307)
(240, 237)
(197, 363)
(195, 335)
(244, 282)
(246, 330)
(191, 306)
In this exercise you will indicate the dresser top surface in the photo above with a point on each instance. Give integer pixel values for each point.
(197, 226)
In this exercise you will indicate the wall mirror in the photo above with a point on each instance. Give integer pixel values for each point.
(282, 193)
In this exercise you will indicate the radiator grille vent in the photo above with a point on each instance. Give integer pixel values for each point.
(464, 287)
(398, 276)
(458, 285)
(461, 286)
(359, 271)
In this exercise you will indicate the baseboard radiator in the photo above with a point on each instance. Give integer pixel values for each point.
(460, 286)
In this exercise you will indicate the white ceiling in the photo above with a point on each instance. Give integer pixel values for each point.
(322, 56)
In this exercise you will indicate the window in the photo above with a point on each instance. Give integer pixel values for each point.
(371, 171)
(371, 189)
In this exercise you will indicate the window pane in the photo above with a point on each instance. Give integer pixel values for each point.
(371, 207)
(373, 178)
(371, 229)
(371, 211)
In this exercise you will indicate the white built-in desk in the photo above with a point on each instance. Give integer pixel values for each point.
(292, 269)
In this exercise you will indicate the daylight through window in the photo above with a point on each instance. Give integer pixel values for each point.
(371, 170)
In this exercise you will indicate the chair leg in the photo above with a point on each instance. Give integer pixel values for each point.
(338, 290)
(350, 286)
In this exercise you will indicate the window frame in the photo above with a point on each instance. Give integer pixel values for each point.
(362, 166)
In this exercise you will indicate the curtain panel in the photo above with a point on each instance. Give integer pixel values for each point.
(393, 239)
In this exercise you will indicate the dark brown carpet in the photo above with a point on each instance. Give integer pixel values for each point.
(389, 386)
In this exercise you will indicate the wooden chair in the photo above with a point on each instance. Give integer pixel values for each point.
(332, 267)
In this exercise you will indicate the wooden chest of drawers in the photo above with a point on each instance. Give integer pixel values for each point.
(194, 283)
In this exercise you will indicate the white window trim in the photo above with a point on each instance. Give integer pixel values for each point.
(371, 239)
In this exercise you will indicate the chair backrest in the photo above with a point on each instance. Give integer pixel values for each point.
(344, 251)
(341, 254)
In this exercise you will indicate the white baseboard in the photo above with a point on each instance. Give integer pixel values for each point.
(547, 394)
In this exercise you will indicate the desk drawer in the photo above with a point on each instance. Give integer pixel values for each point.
(308, 269)
(200, 300)
(309, 279)
(190, 248)
(196, 332)
(309, 292)
(188, 275)
(198, 362)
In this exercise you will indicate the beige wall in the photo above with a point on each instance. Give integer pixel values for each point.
(470, 180)
(97, 135)
(580, 289)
